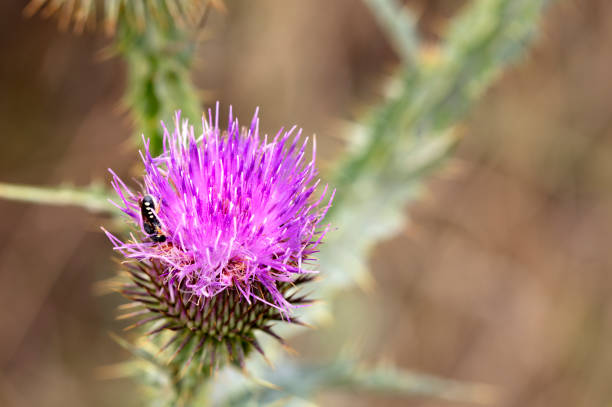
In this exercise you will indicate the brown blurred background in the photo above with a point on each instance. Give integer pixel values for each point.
(503, 275)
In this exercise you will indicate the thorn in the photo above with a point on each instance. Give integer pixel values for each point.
(287, 348)
(158, 330)
(240, 358)
(187, 339)
(258, 348)
(264, 383)
(128, 306)
(132, 314)
(170, 342)
(304, 324)
(195, 351)
(143, 322)
(230, 349)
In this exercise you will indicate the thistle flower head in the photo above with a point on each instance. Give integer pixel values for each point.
(227, 223)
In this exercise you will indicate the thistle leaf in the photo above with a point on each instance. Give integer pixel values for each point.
(291, 380)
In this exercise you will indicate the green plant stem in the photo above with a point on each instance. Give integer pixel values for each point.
(399, 25)
(93, 198)
(159, 57)
(413, 132)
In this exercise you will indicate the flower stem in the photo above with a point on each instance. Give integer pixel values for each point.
(92, 198)
(159, 57)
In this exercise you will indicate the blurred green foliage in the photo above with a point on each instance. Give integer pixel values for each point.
(411, 133)
(159, 57)
(296, 383)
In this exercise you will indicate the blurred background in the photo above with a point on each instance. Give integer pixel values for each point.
(502, 276)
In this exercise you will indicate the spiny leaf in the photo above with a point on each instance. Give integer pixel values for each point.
(293, 380)
(413, 132)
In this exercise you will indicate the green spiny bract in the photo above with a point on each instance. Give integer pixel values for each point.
(204, 332)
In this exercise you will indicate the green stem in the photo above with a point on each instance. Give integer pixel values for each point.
(92, 198)
(399, 25)
(412, 133)
(159, 57)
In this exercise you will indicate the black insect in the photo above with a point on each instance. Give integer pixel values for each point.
(150, 221)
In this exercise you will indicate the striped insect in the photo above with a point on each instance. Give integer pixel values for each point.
(150, 221)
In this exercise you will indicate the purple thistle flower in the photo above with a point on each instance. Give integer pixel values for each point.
(227, 214)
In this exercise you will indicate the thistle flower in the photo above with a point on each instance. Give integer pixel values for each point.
(227, 225)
